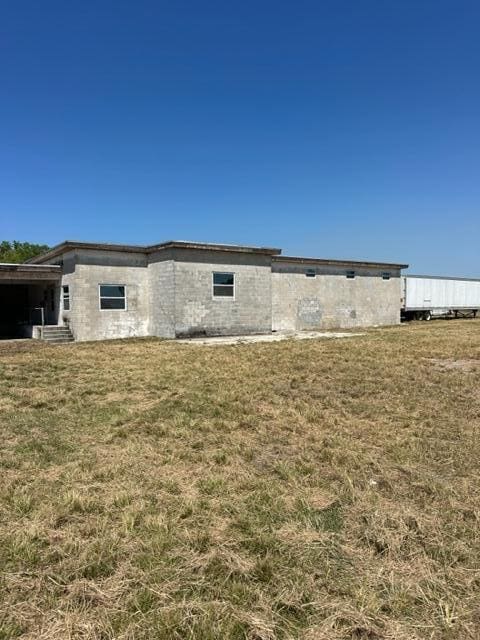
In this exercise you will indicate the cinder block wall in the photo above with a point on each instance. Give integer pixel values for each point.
(197, 312)
(68, 278)
(91, 268)
(170, 294)
(161, 283)
(331, 300)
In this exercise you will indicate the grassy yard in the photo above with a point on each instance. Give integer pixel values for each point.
(319, 490)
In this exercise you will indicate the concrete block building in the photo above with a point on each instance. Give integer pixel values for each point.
(180, 289)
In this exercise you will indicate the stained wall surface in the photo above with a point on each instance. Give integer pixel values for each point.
(330, 299)
(84, 272)
(198, 312)
(170, 294)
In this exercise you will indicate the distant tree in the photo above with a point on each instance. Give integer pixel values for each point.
(20, 251)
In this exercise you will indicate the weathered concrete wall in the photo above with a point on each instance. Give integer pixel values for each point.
(169, 294)
(197, 312)
(331, 300)
(68, 278)
(88, 269)
(161, 280)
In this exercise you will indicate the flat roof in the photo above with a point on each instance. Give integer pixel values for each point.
(213, 246)
(69, 245)
(411, 275)
(29, 271)
(63, 247)
(131, 248)
(340, 263)
(15, 266)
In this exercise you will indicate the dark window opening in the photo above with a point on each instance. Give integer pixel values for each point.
(66, 297)
(112, 296)
(223, 285)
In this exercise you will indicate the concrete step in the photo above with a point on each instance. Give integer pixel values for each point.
(57, 332)
(53, 336)
(57, 335)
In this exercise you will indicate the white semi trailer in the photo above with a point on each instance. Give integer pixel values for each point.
(425, 297)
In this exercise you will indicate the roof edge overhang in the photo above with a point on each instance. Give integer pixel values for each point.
(340, 263)
(458, 279)
(207, 246)
(70, 245)
(30, 271)
(23, 266)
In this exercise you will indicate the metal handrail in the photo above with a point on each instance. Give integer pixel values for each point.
(42, 316)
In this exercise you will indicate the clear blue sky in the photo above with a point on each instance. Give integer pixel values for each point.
(327, 128)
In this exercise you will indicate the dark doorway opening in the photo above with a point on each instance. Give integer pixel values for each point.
(25, 305)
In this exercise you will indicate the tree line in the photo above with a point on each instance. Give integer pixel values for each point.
(16, 251)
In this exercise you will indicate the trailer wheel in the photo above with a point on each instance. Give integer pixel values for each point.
(427, 316)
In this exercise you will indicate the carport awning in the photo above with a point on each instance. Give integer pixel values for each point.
(29, 272)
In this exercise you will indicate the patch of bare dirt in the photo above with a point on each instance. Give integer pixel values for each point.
(451, 364)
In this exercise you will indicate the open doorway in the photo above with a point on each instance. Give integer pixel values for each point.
(25, 305)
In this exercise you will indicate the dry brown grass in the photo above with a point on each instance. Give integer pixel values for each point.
(317, 489)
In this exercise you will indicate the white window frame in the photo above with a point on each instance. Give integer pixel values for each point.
(112, 284)
(234, 286)
(66, 297)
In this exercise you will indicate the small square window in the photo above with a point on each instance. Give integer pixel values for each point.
(223, 285)
(350, 274)
(386, 275)
(310, 273)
